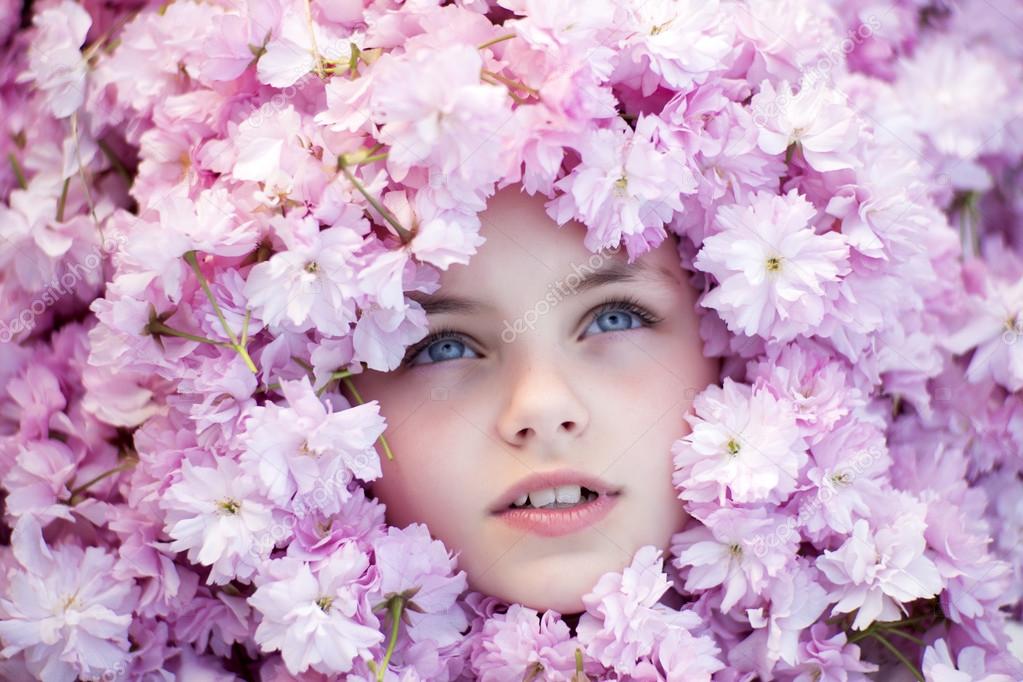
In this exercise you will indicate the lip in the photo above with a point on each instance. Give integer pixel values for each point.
(552, 522)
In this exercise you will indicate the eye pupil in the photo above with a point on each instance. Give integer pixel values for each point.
(614, 321)
(448, 349)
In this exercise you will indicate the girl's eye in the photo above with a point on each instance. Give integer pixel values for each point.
(620, 315)
(440, 346)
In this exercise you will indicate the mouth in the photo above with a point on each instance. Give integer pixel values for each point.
(561, 497)
(556, 503)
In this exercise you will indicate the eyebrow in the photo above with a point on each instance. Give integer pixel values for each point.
(612, 273)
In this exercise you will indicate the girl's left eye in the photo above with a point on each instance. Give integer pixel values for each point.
(620, 315)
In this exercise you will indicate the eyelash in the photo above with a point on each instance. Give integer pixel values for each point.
(627, 303)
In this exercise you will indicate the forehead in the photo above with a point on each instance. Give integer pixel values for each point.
(526, 253)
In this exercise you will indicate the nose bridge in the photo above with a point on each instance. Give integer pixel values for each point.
(542, 402)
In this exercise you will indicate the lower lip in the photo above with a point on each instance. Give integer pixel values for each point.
(555, 522)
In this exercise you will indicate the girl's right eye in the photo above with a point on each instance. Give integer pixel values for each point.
(440, 346)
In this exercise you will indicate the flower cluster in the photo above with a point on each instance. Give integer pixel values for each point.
(212, 214)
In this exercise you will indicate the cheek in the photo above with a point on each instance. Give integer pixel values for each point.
(431, 465)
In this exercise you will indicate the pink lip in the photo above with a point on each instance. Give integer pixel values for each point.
(554, 522)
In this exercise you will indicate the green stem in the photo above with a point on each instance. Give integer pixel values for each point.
(395, 607)
(358, 399)
(63, 200)
(239, 347)
(907, 621)
(404, 234)
(161, 329)
(245, 327)
(905, 635)
(333, 377)
(899, 655)
(495, 41)
(19, 172)
(191, 259)
(78, 490)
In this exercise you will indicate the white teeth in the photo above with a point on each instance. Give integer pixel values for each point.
(570, 494)
(541, 498)
(559, 497)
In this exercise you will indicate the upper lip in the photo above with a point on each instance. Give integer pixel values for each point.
(552, 479)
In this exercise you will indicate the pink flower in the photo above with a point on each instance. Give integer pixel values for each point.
(518, 641)
(443, 236)
(774, 270)
(435, 112)
(994, 328)
(739, 550)
(796, 601)
(228, 49)
(848, 468)
(876, 572)
(969, 666)
(306, 454)
(675, 44)
(411, 562)
(311, 282)
(37, 393)
(215, 514)
(290, 53)
(828, 659)
(938, 84)
(814, 383)
(625, 627)
(744, 445)
(625, 189)
(382, 334)
(319, 621)
(63, 608)
(37, 485)
(816, 118)
(55, 62)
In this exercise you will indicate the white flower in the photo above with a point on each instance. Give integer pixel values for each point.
(312, 282)
(214, 513)
(306, 450)
(744, 445)
(816, 118)
(875, 572)
(55, 62)
(315, 620)
(773, 268)
(64, 609)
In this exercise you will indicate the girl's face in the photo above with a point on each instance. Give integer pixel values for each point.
(556, 361)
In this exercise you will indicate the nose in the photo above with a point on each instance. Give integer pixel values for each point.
(541, 409)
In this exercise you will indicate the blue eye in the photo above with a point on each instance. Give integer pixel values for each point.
(620, 315)
(440, 346)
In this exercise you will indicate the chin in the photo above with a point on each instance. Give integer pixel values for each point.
(556, 586)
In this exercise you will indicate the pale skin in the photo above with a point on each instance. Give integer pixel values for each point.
(536, 379)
